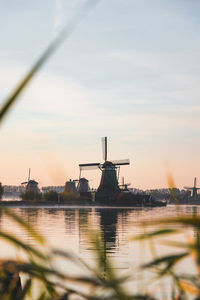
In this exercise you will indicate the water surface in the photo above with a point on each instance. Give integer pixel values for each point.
(66, 228)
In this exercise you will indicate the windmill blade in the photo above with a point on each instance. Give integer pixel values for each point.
(24, 182)
(188, 188)
(90, 166)
(195, 182)
(104, 147)
(121, 162)
(125, 184)
(29, 174)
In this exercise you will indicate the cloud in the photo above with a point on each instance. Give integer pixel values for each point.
(59, 114)
(58, 105)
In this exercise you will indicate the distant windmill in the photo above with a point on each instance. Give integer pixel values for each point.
(108, 188)
(31, 185)
(80, 185)
(193, 189)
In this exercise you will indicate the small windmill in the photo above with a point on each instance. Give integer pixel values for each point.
(194, 189)
(124, 186)
(108, 187)
(81, 185)
(30, 185)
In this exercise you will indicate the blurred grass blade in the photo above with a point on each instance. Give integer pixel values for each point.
(25, 291)
(65, 296)
(168, 259)
(42, 296)
(149, 235)
(77, 260)
(183, 220)
(66, 255)
(189, 287)
(177, 244)
(30, 229)
(17, 243)
(42, 59)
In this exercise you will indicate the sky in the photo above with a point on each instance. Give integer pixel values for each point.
(129, 71)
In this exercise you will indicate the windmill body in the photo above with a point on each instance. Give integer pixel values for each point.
(79, 187)
(83, 185)
(32, 186)
(70, 186)
(109, 188)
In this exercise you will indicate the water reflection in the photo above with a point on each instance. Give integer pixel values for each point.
(110, 220)
(112, 226)
(108, 226)
(69, 219)
(67, 228)
(30, 215)
(52, 211)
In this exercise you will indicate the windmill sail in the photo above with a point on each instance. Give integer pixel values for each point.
(104, 148)
(29, 174)
(195, 182)
(121, 162)
(89, 166)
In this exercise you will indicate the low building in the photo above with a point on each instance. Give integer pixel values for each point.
(58, 189)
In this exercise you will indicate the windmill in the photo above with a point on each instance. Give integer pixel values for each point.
(108, 188)
(83, 185)
(124, 186)
(193, 189)
(31, 185)
(80, 185)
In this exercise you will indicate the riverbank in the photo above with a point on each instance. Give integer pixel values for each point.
(78, 203)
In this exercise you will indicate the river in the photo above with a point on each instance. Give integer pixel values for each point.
(66, 228)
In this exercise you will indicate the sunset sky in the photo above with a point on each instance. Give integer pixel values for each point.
(129, 71)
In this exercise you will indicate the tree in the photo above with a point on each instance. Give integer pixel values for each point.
(1, 190)
(31, 196)
(51, 196)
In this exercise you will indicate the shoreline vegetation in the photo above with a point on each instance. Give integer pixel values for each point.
(165, 194)
(51, 196)
(1, 190)
(71, 197)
